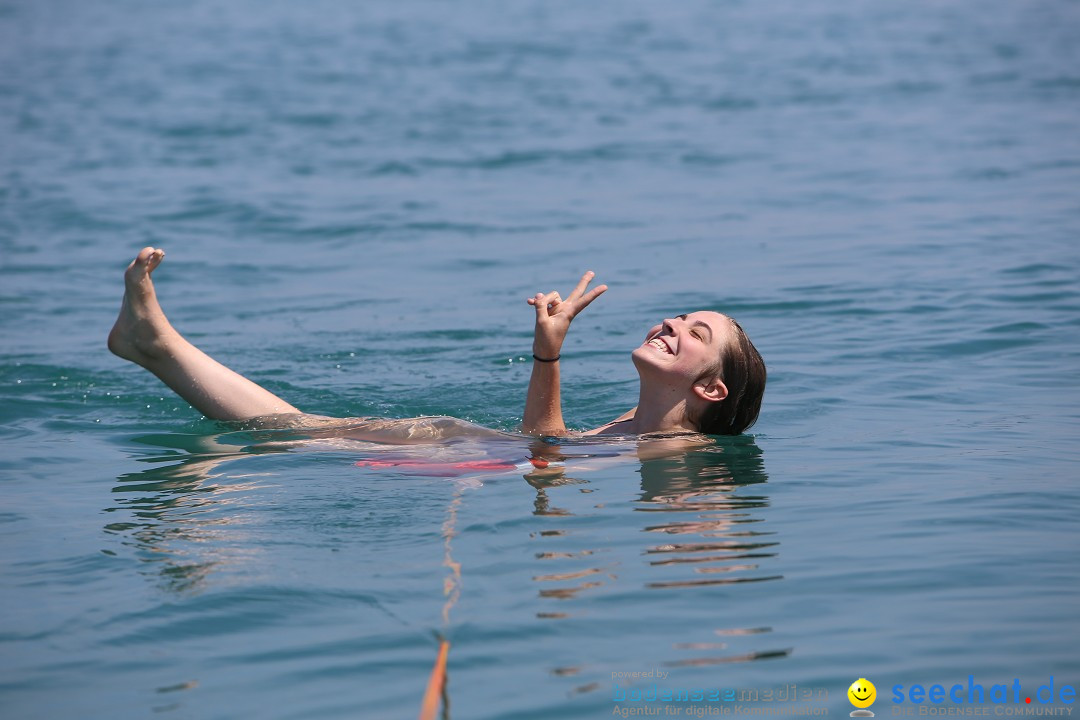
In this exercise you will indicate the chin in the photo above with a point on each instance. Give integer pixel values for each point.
(646, 359)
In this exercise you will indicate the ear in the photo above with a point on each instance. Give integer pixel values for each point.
(711, 389)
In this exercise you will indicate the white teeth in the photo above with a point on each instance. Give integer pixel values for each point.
(660, 345)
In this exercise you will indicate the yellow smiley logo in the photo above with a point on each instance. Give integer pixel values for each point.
(862, 693)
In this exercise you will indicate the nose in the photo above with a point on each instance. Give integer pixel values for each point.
(669, 325)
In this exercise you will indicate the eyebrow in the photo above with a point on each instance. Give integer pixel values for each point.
(699, 323)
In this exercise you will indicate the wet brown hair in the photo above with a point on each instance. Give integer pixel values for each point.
(743, 372)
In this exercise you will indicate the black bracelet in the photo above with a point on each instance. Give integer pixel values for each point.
(540, 359)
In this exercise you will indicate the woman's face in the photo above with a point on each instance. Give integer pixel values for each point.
(686, 346)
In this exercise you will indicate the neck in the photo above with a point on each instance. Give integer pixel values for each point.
(660, 413)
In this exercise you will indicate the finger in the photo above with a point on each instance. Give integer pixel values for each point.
(541, 303)
(590, 296)
(582, 284)
(555, 298)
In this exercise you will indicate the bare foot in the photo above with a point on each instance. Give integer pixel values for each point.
(141, 329)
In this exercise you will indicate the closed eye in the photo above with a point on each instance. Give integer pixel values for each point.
(700, 329)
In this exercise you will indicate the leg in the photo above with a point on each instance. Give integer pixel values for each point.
(143, 335)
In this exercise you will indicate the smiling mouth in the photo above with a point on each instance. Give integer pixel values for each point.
(860, 698)
(660, 345)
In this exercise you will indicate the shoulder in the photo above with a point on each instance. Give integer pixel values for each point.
(616, 426)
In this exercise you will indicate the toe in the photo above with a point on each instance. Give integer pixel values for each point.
(155, 259)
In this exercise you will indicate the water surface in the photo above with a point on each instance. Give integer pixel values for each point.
(355, 201)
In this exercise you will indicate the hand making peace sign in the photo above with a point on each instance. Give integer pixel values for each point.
(554, 315)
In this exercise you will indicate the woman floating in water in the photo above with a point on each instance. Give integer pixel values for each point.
(699, 372)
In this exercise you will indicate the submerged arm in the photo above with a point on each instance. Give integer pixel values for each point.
(543, 404)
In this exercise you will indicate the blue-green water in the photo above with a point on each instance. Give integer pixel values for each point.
(356, 198)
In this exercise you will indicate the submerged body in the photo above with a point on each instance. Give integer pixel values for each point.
(693, 370)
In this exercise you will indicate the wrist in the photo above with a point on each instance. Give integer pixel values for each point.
(547, 350)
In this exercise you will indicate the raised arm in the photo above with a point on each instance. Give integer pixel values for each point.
(543, 404)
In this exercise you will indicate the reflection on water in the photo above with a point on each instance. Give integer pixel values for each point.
(703, 484)
(699, 508)
(179, 507)
(688, 530)
(709, 500)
